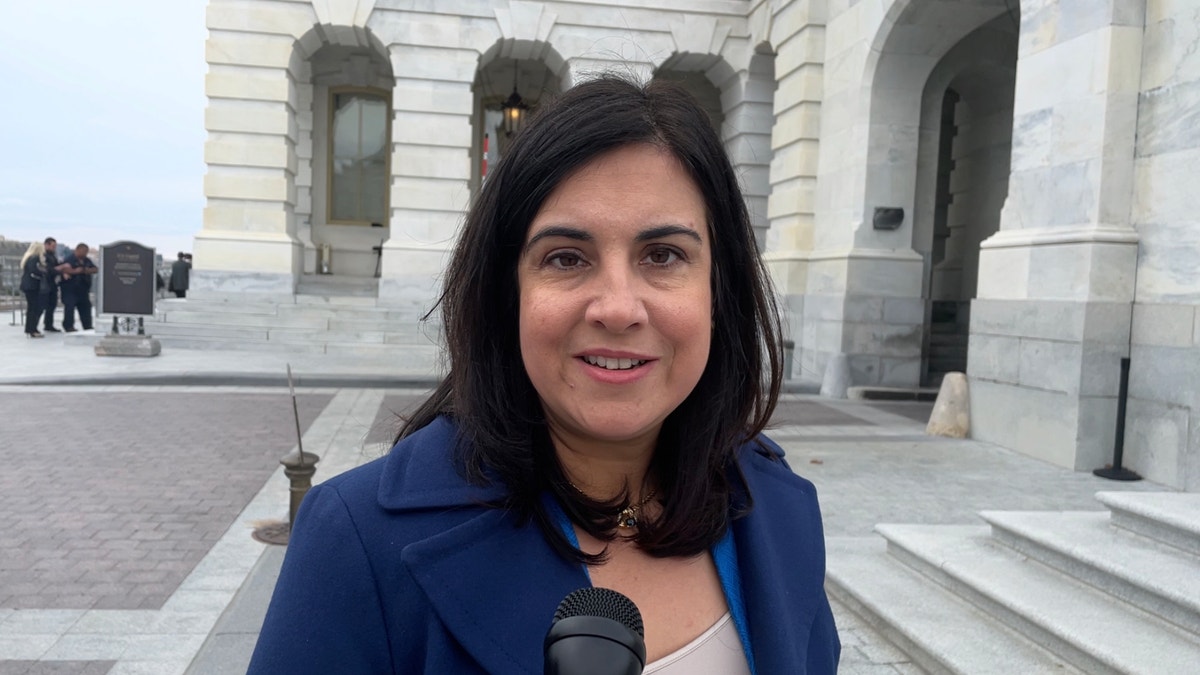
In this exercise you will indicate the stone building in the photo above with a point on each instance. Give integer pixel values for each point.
(1004, 186)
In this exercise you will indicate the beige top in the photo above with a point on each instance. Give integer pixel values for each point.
(717, 651)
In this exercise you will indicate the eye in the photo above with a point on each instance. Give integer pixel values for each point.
(663, 256)
(564, 260)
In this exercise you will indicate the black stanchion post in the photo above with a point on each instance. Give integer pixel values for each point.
(1116, 471)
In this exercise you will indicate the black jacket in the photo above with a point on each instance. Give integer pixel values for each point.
(31, 275)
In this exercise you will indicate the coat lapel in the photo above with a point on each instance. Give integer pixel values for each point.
(493, 583)
(495, 586)
(781, 560)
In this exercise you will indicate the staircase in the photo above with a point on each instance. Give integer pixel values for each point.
(948, 336)
(328, 315)
(1114, 591)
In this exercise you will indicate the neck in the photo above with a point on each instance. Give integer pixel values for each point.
(603, 470)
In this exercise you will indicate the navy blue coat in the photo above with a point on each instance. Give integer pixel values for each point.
(397, 567)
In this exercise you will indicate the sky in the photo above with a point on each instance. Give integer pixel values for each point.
(102, 121)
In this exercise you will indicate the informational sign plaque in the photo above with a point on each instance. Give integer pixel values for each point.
(127, 279)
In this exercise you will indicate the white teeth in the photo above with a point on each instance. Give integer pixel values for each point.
(613, 364)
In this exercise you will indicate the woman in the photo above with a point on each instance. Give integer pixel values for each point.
(33, 273)
(614, 354)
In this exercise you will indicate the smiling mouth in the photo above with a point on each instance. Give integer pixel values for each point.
(613, 364)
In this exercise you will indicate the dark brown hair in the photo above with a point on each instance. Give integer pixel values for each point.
(487, 392)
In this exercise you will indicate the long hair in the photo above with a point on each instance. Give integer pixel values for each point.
(503, 435)
(37, 249)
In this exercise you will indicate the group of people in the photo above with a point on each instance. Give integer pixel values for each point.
(44, 277)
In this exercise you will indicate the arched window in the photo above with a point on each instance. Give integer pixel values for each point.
(359, 149)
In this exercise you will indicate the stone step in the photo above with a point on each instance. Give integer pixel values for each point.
(940, 632)
(1158, 578)
(258, 334)
(948, 340)
(378, 337)
(236, 345)
(1089, 629)
(1170, 517)
(171, 306)
(243, 320)
(335, 299)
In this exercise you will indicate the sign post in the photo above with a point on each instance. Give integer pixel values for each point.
(127, 292)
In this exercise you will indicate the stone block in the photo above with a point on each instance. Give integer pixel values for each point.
(1003, 274)
(276, 18)
(1156, 441)
(410, 128)
(426, 161)
(1165, 374)
(248, 49)
(1169, 119)
(429, 194)
(237, 217)
(878, 339)
(429, 63)
(864, 369)
(1035, 319)
(432, 96)
(269, 185)
(900, 372)
(1191, 462)
(128, 345)
(1097, 427)
(1107, 322)
(1163, 325)
(247, 117)
(1034, 422)
(995, 358)
(246, 150)
(1051, 365)
(251, 84)
(1169, 54)
(836, 381)
(1101, 368)
(910, 311)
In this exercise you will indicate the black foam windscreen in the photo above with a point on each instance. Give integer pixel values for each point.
(601, 602)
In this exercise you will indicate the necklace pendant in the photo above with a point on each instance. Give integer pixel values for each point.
(627, 519)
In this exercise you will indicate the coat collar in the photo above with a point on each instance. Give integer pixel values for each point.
(495, 583)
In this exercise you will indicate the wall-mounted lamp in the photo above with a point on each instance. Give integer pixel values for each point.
(514, 108)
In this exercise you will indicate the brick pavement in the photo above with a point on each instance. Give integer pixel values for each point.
(110, 499)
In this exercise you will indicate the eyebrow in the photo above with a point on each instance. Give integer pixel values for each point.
(650, 234)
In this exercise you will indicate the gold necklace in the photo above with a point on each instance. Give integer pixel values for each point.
(628, 518)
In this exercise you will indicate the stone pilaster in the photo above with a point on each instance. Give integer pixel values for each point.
(1056, 283)
(798, 34)
(248, 242)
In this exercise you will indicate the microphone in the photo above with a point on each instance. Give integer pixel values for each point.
(596, 631)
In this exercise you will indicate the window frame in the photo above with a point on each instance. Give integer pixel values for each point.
(385, 96)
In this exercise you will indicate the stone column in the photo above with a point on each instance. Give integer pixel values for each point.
(798, 35)
(1056, 283)
(248, 245)
(431, 169)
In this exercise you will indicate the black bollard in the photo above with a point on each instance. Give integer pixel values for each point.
(1116, 471)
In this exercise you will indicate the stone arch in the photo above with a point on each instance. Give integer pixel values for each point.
(325, 57)
(534, 68)
(740, 106)
(911, 40)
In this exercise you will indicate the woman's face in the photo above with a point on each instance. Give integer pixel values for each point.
(615, 296)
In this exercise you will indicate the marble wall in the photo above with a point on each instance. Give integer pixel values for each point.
(1163, 437)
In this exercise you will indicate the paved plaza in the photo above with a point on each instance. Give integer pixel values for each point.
(128, 508)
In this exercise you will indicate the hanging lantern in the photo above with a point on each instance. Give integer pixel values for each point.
(514, 109)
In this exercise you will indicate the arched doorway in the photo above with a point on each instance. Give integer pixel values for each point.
(967, 114)
(512, 71)
(344, 182)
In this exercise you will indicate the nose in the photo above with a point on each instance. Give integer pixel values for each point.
(618, 304)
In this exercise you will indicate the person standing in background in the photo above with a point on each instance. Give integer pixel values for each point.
(77, 287)
(180, 270)
(49, 290)
(33, 269)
